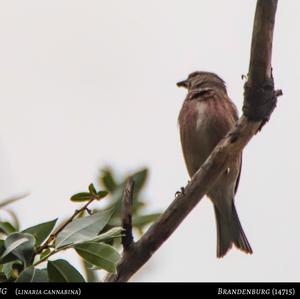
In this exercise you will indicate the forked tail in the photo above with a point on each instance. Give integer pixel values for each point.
(230, 231)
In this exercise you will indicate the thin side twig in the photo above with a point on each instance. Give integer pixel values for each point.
(127, 238)
(12, 199)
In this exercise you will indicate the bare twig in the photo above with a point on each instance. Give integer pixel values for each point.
(228, 148)
(127, 239)
(13, 199)
(260, 97)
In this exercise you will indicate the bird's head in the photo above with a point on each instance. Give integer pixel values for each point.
(202, 79)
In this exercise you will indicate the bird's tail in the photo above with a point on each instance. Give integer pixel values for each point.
(230, 231)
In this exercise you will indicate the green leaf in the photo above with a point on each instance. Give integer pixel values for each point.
(82, 196)
(41, 231)
(115, 221)
(7, 228)
(107, 180)
(15, 220)
(8, 269)
(143, 220)
(21, 245)
(90, 274)
(100, 255)
(83, 229)
(31, 274)
(9, 257)
(62, 271)
(101, 194)
(12, 244)
(116, 197)
(114, 232)
(92, 189)
(139, 179)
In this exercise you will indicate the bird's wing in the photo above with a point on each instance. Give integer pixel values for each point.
(238, 178)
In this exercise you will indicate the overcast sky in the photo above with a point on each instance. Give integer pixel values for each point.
(84, 84)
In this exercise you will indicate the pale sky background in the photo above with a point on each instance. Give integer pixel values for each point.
(86, 83)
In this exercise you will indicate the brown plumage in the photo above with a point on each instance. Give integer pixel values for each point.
(206, 116)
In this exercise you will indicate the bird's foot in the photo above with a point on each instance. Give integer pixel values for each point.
(180, 192)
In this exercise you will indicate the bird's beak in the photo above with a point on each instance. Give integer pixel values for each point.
(184, 83)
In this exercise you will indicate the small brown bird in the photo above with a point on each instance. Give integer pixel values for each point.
(205, 118)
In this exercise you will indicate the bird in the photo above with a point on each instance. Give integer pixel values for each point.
(206, 116)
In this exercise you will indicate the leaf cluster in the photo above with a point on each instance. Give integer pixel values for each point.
(140, 219)
(28, 255)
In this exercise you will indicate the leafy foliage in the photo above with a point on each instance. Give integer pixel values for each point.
(20, 245)
(41, 231)
(95, 235)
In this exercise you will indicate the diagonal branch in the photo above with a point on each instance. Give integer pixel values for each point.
(257, 111)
